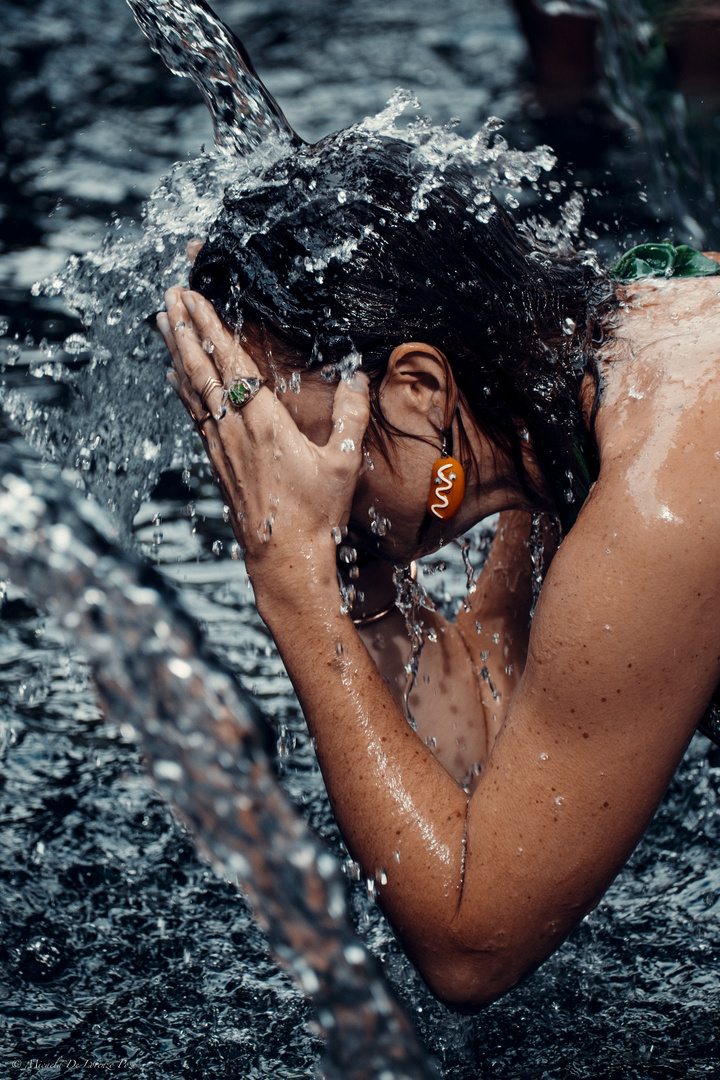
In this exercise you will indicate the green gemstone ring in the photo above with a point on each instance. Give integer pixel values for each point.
(243, 390)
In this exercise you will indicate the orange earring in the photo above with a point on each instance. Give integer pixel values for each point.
(447, 487)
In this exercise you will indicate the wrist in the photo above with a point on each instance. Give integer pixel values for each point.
(295, 584)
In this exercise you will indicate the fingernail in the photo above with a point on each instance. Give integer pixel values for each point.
(163, 323)
(358, 382)
(173, 380)
(171, 298)
(189, 302)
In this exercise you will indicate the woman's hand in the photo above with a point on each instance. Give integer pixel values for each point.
(286, 495)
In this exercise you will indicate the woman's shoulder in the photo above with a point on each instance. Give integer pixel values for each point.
(663, 351)
(658, 434)
(660, 402)
(658, 298)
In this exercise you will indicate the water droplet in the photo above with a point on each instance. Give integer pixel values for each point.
(295, 382)
(217, 547)
(378, 524)
(352, 870)
(342, 196)
(354, 955)
(179, 326)
(76, 344)
(285, 742)
(347, 446)
(168, 770)
(208, 346)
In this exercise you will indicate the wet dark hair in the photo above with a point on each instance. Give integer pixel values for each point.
(355, 244)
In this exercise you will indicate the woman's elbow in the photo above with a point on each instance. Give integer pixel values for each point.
(467, 981)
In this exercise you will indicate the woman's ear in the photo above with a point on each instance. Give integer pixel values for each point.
(418, 394)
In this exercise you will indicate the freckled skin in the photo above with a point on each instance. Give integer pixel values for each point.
(602, 696)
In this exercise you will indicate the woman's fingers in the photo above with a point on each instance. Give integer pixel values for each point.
(351, 413)
(207, 428)
(199, 378)
(193, 320)
(163, 325)
(194, 247)
(231, 359)
(206, 357)
(182, 386)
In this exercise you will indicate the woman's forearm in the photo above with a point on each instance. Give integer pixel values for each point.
(400, 813)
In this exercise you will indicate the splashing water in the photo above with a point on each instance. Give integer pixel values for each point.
(410, 599)
(537, 552)
(112, 415)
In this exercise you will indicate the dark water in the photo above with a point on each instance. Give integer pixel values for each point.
(119, 946)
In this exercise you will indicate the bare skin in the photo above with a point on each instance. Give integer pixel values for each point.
(599, 704)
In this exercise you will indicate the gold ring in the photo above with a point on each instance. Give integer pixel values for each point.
(200, 419)
(211, 384)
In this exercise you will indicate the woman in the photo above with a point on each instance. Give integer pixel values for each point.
(538, 757)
